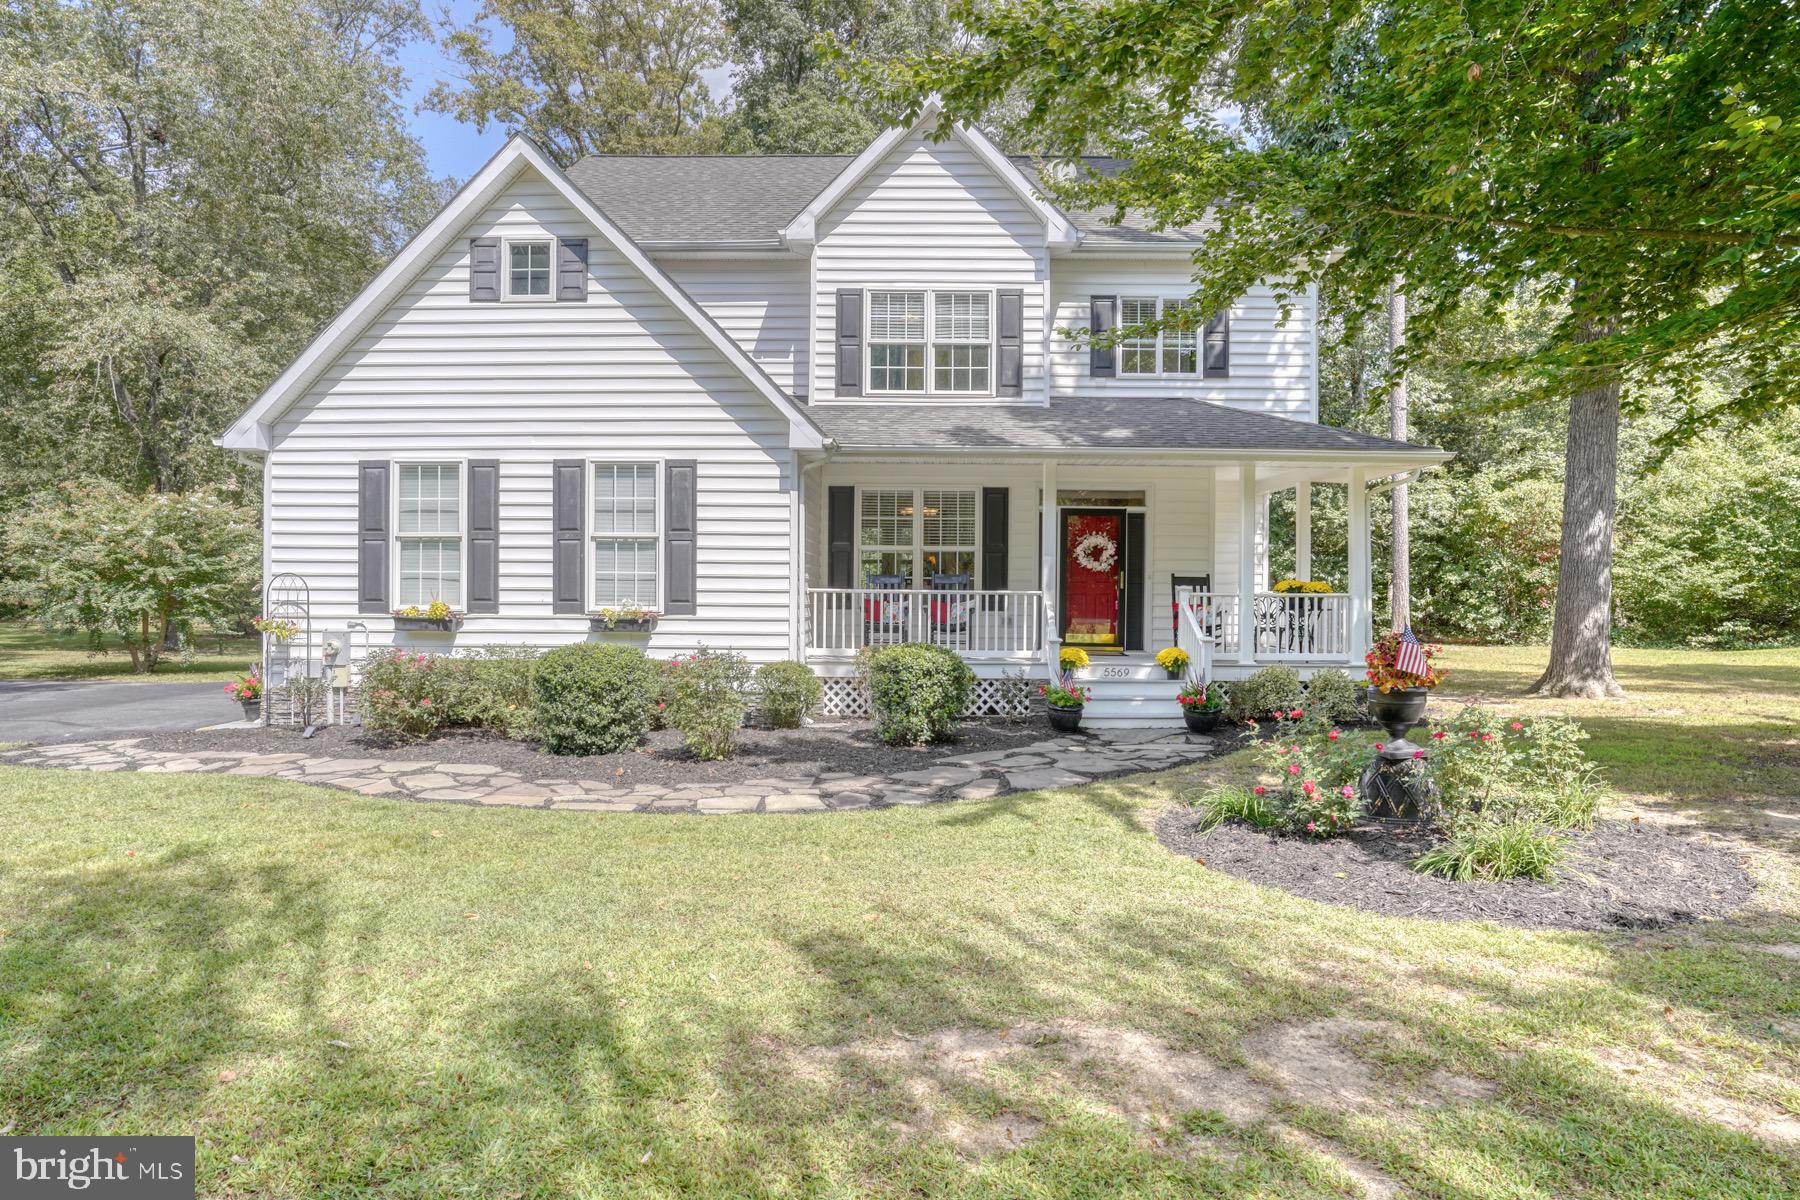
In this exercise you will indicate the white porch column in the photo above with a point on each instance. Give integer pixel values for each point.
(1248, 509)
(1362, 583)
(1051, 541)
(1303, 530)
(1265, 567)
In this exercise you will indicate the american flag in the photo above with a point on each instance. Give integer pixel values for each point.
(1409, 659)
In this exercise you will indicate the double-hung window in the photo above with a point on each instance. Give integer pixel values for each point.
(528, 270)
(430, 534)
(938, 342)
(1172, 351)
(911, 535)
(624, 534)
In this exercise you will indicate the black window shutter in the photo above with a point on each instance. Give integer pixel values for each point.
(372, 537)
(1218, 346)
(484, 535)
(1103, 317)
(1134, 549)
(680, 592)
(484, 268)
(849, 341)
(840, 536)
(994, 505)
(1009, 381)
(571, 269)
(568, 552)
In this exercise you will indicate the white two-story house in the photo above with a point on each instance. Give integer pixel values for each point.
(801, 404)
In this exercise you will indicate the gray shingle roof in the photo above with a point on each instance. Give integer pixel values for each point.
(752, 197)
(1090, 422)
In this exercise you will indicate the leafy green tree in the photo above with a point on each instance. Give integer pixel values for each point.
(1635, 159)
(592, 76)
(188, 190)
(101, 558)
(792, 97)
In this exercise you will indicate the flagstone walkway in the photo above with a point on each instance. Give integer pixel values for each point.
(1054, 762)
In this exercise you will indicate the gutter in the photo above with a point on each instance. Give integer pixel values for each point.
(1422, 455)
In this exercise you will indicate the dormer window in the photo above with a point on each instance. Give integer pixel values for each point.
(528, 270)
(953, 331)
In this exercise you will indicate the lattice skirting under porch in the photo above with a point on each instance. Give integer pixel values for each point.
(1008, 696)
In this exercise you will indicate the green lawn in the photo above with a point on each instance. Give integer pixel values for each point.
(353, 997)
(27, 652)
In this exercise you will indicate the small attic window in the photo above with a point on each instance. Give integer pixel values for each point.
(528, 270)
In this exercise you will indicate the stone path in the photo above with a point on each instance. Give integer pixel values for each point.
(1055, 762)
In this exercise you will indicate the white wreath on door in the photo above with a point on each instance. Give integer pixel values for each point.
(1096, 552)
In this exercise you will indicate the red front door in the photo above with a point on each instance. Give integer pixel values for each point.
(1093, 571)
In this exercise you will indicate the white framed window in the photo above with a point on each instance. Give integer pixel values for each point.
(624, 533)
(930, 342)
(528, 269)
(913, 534)
(1167, 352)
(428, 531)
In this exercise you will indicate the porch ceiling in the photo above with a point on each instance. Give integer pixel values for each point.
(1108, 429)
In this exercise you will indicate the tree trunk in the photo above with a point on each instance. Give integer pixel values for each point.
(1400, 576)
(1581, 640)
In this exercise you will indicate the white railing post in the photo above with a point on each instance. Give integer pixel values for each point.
(1362, 584)
(1247, 513)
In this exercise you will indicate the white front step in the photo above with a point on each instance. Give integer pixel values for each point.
(1108, 670)
(1129, 694)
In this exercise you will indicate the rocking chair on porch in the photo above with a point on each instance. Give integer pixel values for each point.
(950, 614)
(886, 618)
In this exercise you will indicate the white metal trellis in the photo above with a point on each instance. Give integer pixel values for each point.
(287, 675)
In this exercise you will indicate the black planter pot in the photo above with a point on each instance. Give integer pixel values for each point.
(427, 624)
(252, 710)
(1201, 720)
(1398, 711)
(1177, 673)
(1065, 720)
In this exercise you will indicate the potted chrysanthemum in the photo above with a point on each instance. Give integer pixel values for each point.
(1173, 660)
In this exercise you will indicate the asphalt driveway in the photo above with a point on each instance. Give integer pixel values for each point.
(80, 709)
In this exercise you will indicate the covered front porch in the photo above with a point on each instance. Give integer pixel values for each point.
(1005, 562)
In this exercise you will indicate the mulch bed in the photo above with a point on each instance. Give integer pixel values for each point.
(849, 746)
(1623, 875)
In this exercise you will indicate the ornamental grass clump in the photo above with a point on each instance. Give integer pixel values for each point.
(709, 695)
(919, 692)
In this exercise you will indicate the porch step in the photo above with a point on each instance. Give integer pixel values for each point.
(1143, 700)
(1140, 670)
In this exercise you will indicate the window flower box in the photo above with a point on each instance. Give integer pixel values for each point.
(438, 617)
(632, 620)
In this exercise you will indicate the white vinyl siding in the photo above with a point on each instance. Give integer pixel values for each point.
(761, 303)
(428, 533)
(623, 532)
(623, 377)
(1272, 361)
(931, 218)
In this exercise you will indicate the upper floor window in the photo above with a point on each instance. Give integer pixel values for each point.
(952, 331)
(429, 532)
(528, 269)
(1166, 352)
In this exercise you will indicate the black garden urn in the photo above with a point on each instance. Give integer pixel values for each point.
(1397, 783)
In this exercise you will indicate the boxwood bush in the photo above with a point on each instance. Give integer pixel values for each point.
(919, 692)
(786, 692)
(1332, 698)
(594, 698)
(1270, 690)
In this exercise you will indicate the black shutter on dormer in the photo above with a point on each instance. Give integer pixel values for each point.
(849, 341)
(1103, 317)
(571, 269)
(1009, 378)
(484, 269)
(1218, 346)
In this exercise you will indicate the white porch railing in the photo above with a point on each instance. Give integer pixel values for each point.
(1296, 626)
(972, 623)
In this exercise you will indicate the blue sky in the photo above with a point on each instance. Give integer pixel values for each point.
(452, 148)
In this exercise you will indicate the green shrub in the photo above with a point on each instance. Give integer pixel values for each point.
(1311, 776)
(1270, 690)
(918, 692)
(401, 696)
(594, 698)
(1249, 805)
(1492, 769)
(786, 692)
(709, 696)
(1494, 852)
(489, 689)
(1332, 698)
